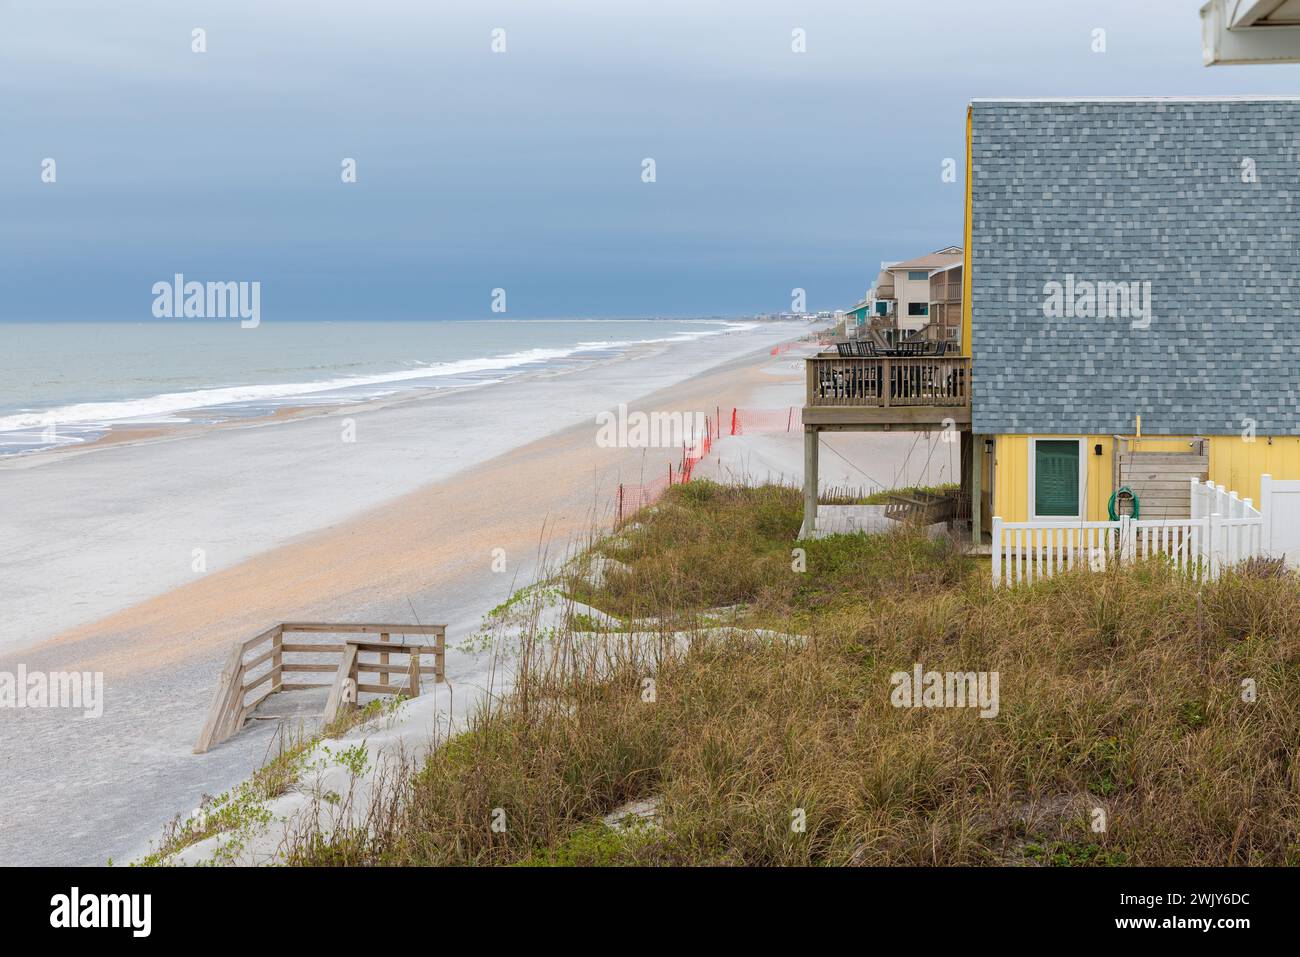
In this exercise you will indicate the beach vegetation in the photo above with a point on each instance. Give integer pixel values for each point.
(846, 495)
(1123, 736)
(235, 815)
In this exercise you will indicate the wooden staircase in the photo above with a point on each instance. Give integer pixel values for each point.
(261, 661)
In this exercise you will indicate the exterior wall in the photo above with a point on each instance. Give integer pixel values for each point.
(1234, 463)
(1238, 464)
(908, 291)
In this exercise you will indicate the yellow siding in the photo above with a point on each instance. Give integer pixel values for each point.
(1010, 476)
(1238, 464)
(1234, 463)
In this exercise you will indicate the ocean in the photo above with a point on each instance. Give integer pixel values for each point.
(64, 384)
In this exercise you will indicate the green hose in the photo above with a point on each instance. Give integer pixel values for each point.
(1110, 506)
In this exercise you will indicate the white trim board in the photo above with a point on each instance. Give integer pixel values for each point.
(1240, 31)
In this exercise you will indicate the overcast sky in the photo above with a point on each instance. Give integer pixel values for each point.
(523, 169)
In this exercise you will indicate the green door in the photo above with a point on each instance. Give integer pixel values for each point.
(1056, 478)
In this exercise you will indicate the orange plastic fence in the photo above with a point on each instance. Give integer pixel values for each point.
(633, 498)
(752, 421)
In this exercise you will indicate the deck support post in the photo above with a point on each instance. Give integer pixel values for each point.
(810, 435)
(976, 490)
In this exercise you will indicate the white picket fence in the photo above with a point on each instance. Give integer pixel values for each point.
(1223, 530)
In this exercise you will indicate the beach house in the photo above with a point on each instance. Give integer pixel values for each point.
(903, 288)
(1130, 317)
(857, 317)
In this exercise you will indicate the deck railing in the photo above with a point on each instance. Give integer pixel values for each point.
(888, 381)
(945, 291)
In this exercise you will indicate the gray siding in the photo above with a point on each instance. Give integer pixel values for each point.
(1137, 191)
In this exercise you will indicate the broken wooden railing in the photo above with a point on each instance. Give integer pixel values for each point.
(257, 668)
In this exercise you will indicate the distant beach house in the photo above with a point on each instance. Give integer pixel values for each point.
(898, 306)
(903, 288)
(1129, 313)
(859, 315)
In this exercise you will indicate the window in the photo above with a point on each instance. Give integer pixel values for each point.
(1056, 481)
(918, 274)
(918, 309)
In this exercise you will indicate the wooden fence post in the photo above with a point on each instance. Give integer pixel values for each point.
(440, 655)
(277, 660)
(383, 660)
(413, 676)
(221, 700)
(230, 721)
(345, 670)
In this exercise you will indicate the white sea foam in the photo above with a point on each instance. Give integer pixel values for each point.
(30, 429)
(165, 407)
(170, 402)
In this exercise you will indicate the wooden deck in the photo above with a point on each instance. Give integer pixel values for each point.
(880, 394)
(883, 394)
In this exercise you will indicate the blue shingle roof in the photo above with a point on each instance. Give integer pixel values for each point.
(1140, 191)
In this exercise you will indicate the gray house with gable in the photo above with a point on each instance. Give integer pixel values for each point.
(1133, 300)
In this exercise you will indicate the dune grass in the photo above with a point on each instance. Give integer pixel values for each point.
(848, 495)
(1124, 734)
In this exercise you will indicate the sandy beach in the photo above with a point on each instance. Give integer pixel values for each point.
(298, 526)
